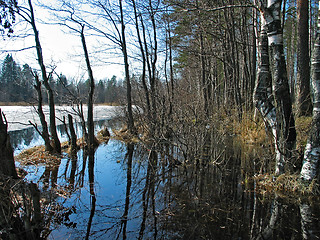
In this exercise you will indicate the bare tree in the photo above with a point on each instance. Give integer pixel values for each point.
(92, 140)
(44, 133)
(28, 15)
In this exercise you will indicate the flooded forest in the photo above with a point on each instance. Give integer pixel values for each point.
(210, 130)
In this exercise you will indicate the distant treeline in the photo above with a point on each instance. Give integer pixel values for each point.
(16, 85)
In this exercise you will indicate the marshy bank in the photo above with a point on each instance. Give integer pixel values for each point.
(197, 187)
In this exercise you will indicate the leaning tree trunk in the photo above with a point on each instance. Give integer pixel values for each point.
(6, 153)
(310, 165)
(53, 128)
(285, 135)
(92, 141)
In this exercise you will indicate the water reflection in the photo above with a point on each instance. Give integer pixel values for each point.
(92, 193)
(132, 191)
(26, 138)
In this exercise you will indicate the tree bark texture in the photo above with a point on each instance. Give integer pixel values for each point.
(263, 98)
(53, 129)
(6, 152)
(303, 100)
(285, 135)
(310, 165)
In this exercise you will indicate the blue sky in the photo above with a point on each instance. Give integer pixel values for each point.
(61, 48)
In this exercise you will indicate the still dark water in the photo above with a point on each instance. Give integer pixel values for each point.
(133, 191)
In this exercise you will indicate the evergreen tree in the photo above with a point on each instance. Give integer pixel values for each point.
(27, 80)
(10, 81)
(7, 16)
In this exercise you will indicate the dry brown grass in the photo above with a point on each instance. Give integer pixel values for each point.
(37, 155)
(286, 185)
(303, 126)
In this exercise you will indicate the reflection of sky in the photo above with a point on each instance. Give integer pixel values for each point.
(27, 138)
(110, 190)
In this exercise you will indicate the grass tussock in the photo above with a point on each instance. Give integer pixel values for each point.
(286, 185)
(125, 136)
(251, 131)
(303, 126)
(37, 155)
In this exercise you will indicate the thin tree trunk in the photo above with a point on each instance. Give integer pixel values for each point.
(143, 55)
(303, 100)
(44, 133)
(310, 165)
(92, 140)
(53, 129)
(127, 73)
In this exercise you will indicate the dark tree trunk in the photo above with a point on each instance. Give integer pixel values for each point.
(143, 55)
(44, 133)
(73, 144)
(6, 152)
(124, 221)
(53, 129)
(92, 140)
(303, 100)
(131, 127)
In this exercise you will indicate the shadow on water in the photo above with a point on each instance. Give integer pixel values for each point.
(199, 191)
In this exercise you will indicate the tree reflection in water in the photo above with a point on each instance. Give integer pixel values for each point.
(126, 191)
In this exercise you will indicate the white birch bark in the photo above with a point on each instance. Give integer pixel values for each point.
(263, 98)
(310, 165)
(283, 128)
(308, 222)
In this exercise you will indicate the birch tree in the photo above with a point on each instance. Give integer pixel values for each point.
(310, 165)
(282, 124)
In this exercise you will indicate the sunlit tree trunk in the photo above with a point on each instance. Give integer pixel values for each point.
(285, 135)
(263, 98)
(303, 100)
(53, 129)
(310, 165)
